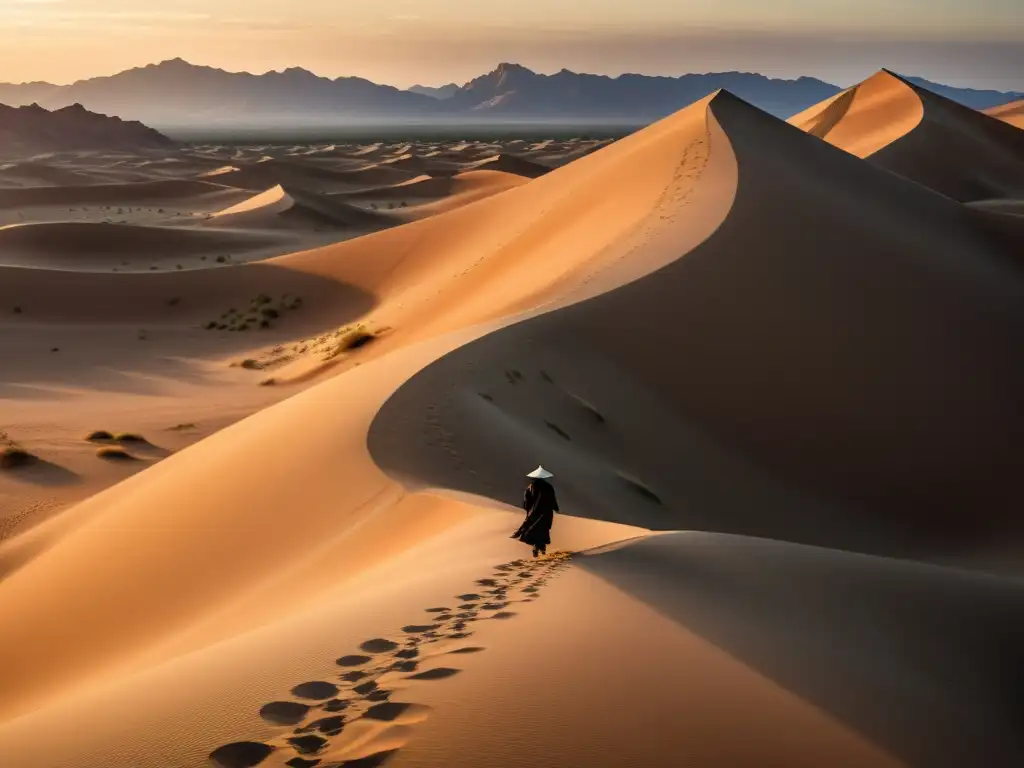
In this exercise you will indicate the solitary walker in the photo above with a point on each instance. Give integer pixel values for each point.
(540, 505)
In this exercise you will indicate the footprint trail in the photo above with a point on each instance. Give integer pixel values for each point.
(353, 722)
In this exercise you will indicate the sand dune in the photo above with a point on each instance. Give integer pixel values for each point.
(283, 207)
(716, 323)
(309, 176)
(1012, 113)
(75, 245)
(509, 164)
(125, 194)
(925, 137)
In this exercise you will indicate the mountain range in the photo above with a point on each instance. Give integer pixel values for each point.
(30, 129)
(177, 94)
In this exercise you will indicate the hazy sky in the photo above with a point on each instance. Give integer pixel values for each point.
(979, 43)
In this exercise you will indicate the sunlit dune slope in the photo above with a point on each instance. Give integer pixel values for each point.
(906, 129)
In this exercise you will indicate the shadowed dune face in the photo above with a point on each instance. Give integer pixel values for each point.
(921, 660)
(810, 376)
(952, 149)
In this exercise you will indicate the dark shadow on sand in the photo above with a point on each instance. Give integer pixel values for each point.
(926, 662)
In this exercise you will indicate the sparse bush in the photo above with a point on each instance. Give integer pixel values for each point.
(114, 453)
(262, 299)
(177, 266)
(55, 349)
(269, 312)
(129, 437)
(221, 259)
(209, 326)
(349, 339)
(264, 323)
(268, 382)
(252, 365)
(99, 434)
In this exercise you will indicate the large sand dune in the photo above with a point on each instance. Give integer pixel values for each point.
(1012, 113)
(717, 323)
(922, 136)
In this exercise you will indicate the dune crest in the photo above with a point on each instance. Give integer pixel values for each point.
(925, 137)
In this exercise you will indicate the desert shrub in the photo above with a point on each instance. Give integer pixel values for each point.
(114, 453)
(349, 339)
(269, 312)
(268, 382)
(209, 326)
(264, 323)
(252, 365)
(177, 266)
(262, 299)
(99, 434)
(14, 456)
(221, 259)
(129, 437)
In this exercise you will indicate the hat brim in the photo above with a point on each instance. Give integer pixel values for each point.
(540, 474)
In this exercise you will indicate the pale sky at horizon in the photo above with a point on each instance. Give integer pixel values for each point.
(402, 42)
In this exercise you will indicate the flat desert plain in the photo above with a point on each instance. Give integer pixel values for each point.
(268, 413)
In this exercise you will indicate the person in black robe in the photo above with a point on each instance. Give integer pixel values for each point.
(540, 505)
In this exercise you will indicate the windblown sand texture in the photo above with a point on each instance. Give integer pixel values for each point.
(777, 386)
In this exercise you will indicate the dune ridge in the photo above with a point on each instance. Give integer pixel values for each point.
(918, 134)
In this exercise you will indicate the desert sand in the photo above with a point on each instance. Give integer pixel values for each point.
(776, 382)
(896, 125)
(1012, 113)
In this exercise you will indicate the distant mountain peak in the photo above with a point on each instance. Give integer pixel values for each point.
(32, 129)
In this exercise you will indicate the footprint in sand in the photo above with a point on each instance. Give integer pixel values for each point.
(318, 689)
(241, 754)
(352, 677)
(284, 712)
(439, 673)
(330, 726)
(503, 615)
(468, 649)
(415, 629)
(467, 597)
(308, 745)
(378, 645)
(353, 661)
(437, 610)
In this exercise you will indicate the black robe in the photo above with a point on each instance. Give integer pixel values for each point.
(540, 505)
